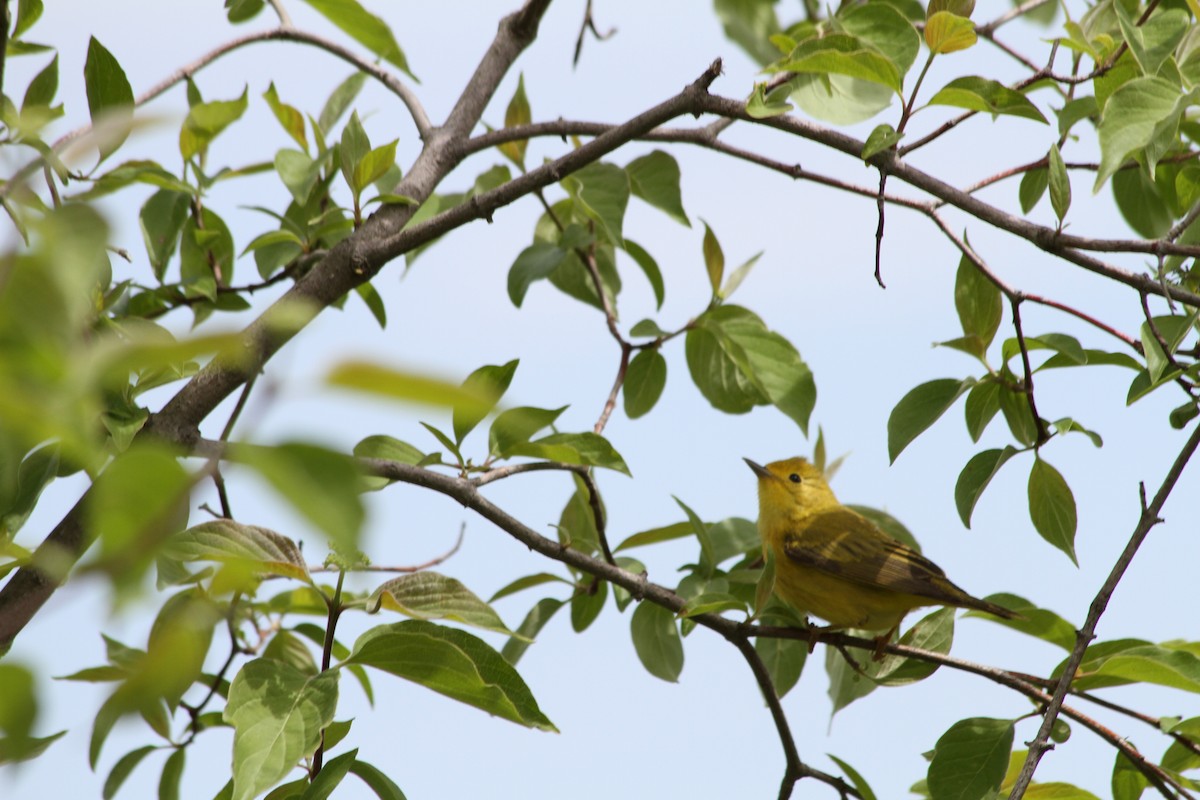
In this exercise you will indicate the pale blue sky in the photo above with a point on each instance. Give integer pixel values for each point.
(623, 730)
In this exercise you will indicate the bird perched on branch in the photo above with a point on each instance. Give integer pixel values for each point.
(834, 563)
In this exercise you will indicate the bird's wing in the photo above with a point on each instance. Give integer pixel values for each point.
(843, 543)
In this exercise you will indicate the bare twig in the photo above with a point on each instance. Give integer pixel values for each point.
(589, 24)
(1149, 518)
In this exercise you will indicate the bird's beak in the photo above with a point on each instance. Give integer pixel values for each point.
(759, 469)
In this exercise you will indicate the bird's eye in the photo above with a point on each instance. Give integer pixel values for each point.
(794, 477)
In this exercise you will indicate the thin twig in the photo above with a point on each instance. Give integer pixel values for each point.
(1149, 518)
(1039, 425)
(589, 24)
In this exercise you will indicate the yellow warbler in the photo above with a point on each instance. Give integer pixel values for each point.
(834, 563)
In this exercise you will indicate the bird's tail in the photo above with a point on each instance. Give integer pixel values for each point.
(989, 608)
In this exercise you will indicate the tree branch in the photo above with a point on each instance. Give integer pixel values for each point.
(353, 261)
(1087, 633)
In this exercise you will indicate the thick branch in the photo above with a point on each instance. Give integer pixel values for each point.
(353, 261)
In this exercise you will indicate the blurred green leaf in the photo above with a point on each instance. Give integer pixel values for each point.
(321, 484)
(277, 713)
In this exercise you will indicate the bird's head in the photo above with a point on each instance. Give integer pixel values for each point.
(790, 485)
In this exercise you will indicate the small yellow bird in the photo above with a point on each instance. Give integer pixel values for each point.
(834, 563)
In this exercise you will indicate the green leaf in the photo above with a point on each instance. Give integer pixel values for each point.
(1033, 186)
(298, 172)
(677, 530)
(601, 191)
(1146, 663)
(139, 500)
(885, 27)
(737, 363)
(277, 713)
(983, 402)
(589, 449)
(979, 304)
(739, 275)
(1128, 782)
(374, 165)
(527, 582)
(764, 105)
(289, 117)
(975, 477)
(970, 759)
(882, 137)
(1152, 42)
(655, 178)
(168, 783)
(109, 97)
(340, 99)
(529, 628)
(42, 88)
(645, 379)
(410, 386)
(701, 530)
(1034, 621)
(842, 54)
(388, 448)
(122, 769)
(383, 786)
(1015, 407)
(783, 658)
(1134, 116)
(254, 549)
(332, 774)
(656, 641)
(453, 663)
(948, 33)
(364, 27)
(161, 219)
(488, 383)
(649, 268)
(860, 783)
(988, 96)
(373, 302)
(1052, 507)
(586, 604)
(429, 595)
(321, 484)
(28, 12)
(919, 409)
(517, 114)
(205, 121)
(535, 262)
(1142, 204)
(1060, 185)
(206, 252)
(517, 425)
(714, 259)
(749, 24)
